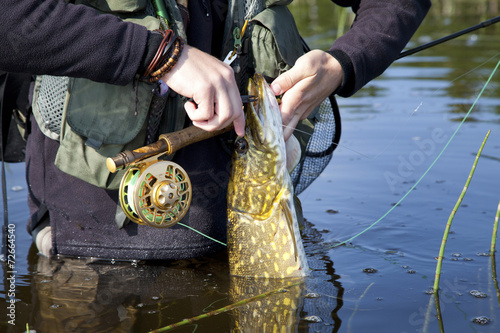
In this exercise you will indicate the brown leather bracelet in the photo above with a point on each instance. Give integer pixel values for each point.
(167, 37)
(172, 61)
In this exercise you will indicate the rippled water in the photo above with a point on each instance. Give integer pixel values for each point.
(393, 131)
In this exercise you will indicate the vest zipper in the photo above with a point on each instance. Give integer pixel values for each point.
(205, 5)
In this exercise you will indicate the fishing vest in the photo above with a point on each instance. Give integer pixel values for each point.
(82, 114)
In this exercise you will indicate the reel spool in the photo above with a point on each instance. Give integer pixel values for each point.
(157, 194)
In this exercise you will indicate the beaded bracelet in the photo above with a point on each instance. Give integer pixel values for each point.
(171, 62)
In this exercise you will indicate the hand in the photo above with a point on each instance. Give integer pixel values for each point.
(315, 76)
(211, 85)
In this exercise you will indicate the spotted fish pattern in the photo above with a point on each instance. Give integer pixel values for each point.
(279, 312)
(263, 234)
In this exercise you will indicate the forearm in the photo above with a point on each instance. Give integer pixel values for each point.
(56, 38)
(382, 28)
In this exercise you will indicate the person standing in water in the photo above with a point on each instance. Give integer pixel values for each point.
(97, 62)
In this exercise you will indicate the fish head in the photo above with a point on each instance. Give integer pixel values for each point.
(259, 157)
(261, 152)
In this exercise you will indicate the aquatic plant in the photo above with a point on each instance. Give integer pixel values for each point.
(452, 215)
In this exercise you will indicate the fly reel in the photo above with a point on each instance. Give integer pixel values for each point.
(157, 193)
(152, 192)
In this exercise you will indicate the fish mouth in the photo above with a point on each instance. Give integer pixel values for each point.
(262, 123)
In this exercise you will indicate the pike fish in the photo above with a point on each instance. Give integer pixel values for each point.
(263, 233)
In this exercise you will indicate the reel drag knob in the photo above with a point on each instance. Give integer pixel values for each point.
(156, 194)
(166, 195)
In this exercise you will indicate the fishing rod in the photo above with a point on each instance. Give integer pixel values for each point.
(127, 158)
(447, 38)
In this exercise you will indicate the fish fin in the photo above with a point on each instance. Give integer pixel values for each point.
(287, 210)
(293, 153)
(298, 212)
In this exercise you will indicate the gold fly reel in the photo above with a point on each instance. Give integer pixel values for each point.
(157, 194)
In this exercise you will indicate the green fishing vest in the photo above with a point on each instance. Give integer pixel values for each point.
(100, 120)
(275, 45)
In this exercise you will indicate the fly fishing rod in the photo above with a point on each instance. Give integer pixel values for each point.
(449, 37)
(157, 192)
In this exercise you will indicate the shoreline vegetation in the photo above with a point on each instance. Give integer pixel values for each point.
(309, 13)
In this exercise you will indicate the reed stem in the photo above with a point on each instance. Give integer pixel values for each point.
(438, 313)
(494, 235)
(226, 308)
(494, 276)
(452, 215)
(357, 307)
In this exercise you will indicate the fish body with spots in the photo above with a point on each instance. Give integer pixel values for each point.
(263, 234)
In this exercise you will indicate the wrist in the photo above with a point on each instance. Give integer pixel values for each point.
(152, 44)
(165, 58)
(347, 85)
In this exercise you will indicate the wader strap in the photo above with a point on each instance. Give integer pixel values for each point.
(42, 211)
(39, 216)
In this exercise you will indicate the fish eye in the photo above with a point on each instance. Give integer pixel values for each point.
(241, 145)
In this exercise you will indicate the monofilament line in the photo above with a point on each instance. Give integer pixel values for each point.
(207, 236)
(432, 164)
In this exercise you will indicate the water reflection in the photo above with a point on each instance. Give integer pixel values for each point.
(76, 295)
(63, 295)
(73, 296)
(276, 313)
(325, 293)
(89, 295)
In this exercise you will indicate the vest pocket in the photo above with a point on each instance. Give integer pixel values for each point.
(101, 120)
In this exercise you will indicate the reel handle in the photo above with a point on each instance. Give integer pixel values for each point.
(168, 143)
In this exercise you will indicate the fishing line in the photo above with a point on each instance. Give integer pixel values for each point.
(376, 156)
(422, 102)
(199, 232)
(432, 164)
(388, 145)
(337, 144)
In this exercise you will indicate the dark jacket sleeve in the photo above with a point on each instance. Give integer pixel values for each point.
(380, 31)
(57, 38)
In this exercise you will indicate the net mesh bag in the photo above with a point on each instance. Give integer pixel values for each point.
(50, 101)
(320, 147)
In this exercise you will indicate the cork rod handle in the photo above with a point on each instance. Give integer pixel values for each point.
(168, 143)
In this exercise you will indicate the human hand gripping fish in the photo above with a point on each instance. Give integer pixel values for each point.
(314, 77)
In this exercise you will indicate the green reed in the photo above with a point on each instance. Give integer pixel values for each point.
(226, 308)
(494, 235)
(452, 215)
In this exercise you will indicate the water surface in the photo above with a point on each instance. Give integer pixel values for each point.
(393, 130)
